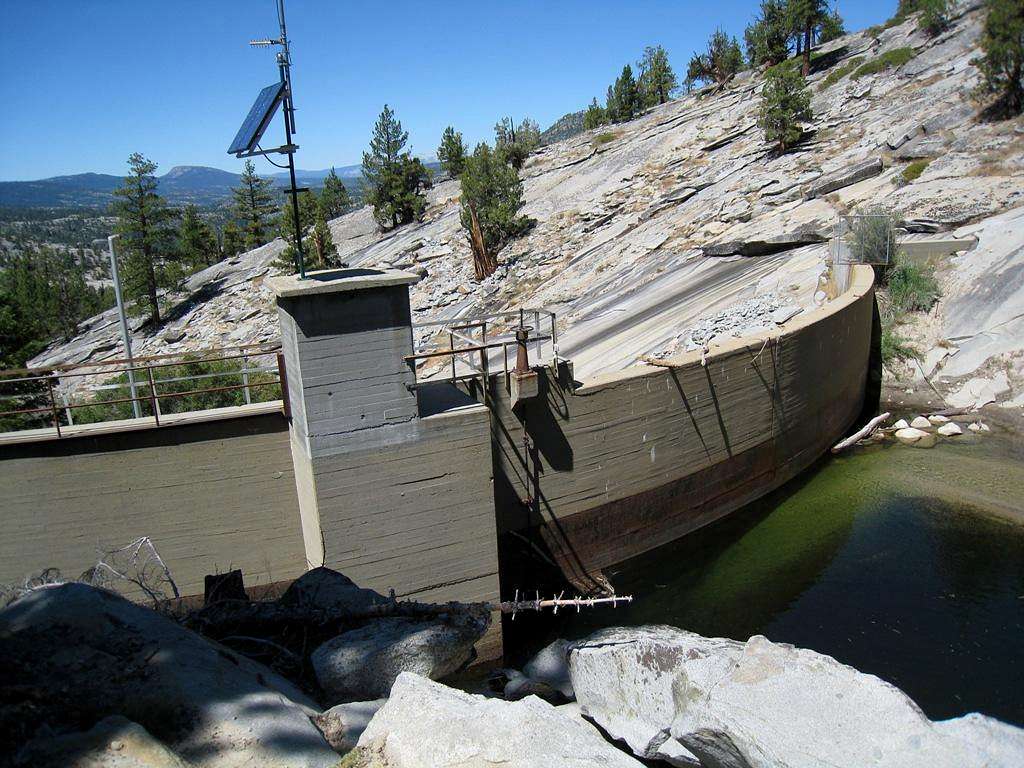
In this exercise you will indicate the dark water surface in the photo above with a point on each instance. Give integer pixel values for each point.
(903, 562)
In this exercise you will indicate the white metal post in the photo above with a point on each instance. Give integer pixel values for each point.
(125, 338)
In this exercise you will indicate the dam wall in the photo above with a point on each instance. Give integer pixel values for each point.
(411, 486)
(213, 495)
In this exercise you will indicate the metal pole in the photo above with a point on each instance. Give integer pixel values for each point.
(125, 338)
(284, 60)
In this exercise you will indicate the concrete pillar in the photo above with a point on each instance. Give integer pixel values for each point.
(391, 498)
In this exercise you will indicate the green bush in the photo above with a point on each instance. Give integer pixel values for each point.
(912, 287)
(895, 347)
(873, 237)
(897, 57)
(839, 73)
(604, 138)
(935, 16)
(913, 171)
(878, 29)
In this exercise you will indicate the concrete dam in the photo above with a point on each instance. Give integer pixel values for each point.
(408, 482)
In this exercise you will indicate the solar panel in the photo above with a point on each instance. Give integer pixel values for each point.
(258, 119)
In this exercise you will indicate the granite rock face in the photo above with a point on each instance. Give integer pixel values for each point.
(426, 725)
(759, 704)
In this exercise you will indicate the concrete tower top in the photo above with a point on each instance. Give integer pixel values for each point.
(338, 281)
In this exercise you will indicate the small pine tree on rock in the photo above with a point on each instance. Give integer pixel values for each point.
(147, 244)
(196, 242)
(452, 152)
(832, 27)
(627, 96)
(513, 144)
(785, 104)
(722, 60)
(594, 116)
(232, 242)
(657, 80)
(255, 205)
(1002, 59)
(492, 197)
(393, 180)
(334, 197)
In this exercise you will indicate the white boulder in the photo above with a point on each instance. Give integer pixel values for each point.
(916, 437)
(950, 430)
(761, 704)
(551, 666)
(921, 422)
(901, 424)
(342, 725)
(363, 663)
(938, 419)
(427, 725)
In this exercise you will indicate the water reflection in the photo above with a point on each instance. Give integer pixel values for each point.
(894, 560)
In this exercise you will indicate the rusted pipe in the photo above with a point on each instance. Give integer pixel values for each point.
(522, 350)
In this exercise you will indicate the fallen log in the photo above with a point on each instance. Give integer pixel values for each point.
(861, 433)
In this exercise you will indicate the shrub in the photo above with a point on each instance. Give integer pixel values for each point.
(912, 287)
(935, 16)
(891, 59)
(873, 237)
(840, 72)
(604, 138)
(895, 347)
(914, 170)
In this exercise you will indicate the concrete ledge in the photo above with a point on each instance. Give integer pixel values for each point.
(338, 281)
(134, 425)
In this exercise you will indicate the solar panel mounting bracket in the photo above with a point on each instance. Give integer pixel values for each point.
(285, 149)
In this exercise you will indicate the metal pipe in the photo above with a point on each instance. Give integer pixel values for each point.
(125, 338)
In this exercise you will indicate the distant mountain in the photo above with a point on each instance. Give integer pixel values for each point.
(564, 127)
(181, 184)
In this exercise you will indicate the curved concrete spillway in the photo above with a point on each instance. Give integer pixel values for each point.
(627, 461)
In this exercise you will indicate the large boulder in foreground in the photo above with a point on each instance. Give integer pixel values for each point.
(426, 725)
(114, 742)
(363, 663)
(86, 654)
(758, 704)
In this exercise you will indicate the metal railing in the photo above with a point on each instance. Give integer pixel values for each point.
(472, 333)
(65, 396)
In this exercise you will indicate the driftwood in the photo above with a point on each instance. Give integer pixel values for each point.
(860, 434)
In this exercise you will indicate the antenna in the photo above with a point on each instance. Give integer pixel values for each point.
(246, 142)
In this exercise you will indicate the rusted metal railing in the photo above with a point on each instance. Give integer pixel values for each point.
(77, 385)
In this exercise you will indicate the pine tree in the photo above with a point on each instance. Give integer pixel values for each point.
(308, 205)
(627, 96)
(832, 27)
(147, 235)
(452, 152)
(1002, 59)
(785, 104)
(611, 108)
(334, 197)
(722, 60)
(594, 116)
(767, 37)
(513, 144)
(232, 242)
(320, 242)
(255, 204)
(196, 242)
(393, 180)
(492, 196)
(805, 16)
(657, 80)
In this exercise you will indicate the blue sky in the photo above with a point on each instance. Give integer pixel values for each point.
(87, 82)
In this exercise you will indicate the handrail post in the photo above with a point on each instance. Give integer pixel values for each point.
(153, 398)
(53, 407)
(245, 379)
